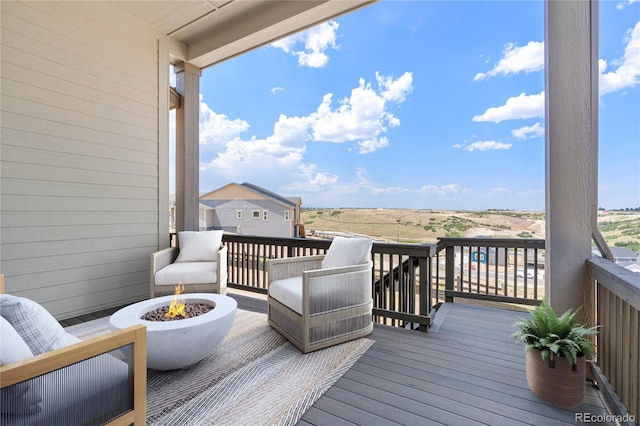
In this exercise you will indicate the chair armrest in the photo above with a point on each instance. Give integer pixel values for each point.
(162, 258)
(159, 260)
(222, 267)
(30, 368)
(279, 269)
(338, 270)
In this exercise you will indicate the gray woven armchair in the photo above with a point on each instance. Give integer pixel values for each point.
(320, 301)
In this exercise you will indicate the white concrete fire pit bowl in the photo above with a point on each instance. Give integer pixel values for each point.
(172, 345)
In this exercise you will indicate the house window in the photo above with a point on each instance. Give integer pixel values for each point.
(255, 214)
(286, 216)
(265, 215)
(239, 214)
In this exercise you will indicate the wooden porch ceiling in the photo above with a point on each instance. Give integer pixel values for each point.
(211, 31)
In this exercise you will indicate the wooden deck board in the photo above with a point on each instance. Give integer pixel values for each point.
(470, 372)
(467, 370)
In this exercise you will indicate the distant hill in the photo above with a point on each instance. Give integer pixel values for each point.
(620, 228)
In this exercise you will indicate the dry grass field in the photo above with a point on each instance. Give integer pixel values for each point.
(620, 228)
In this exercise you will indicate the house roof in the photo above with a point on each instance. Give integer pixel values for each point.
(210, 31)
(617, 251)
(284, 200)
(247, 191)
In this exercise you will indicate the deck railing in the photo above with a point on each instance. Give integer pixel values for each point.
(401, 273)
(617, 369)
(491, 269)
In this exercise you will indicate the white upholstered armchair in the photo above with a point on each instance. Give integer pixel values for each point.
(323, 300)
(200, 265)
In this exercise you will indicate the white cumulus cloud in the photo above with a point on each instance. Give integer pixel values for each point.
(361, 116)
(317, 182)
(372, 145)
(216, 129)
(626, 3)
(310, 45)
(448, 189)
(516, 59)
(627, 71)
(395, 90)
(517, 107)
(362, 119)
(526, 132)
(483, 146)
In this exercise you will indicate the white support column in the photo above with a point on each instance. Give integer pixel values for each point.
(571, 146)
(187, 147)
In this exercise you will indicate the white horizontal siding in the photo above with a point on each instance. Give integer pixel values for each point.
(54, 113)
(78, 40)
(35, 171)
(76, 232)
(82, 190)
(67, 72)
(79, 154)
(36, 125)
(44, 218)
(45, 79)
(68, 145)
(24, 267)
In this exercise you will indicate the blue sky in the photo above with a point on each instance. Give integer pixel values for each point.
(414, 104)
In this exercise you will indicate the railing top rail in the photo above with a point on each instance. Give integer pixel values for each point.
(621, 281)
(424, 250)
(281, 241)
(417, 250)
(527, 243)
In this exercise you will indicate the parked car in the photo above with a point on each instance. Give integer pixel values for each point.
(520, 274)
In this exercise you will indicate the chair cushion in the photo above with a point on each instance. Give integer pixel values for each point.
(199, 246)
(345, 251)
(188, 273)
(35, 325)
(288, 292)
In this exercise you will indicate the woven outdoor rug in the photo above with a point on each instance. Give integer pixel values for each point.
(255, 377)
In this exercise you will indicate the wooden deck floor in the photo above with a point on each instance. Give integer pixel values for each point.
(466, 370)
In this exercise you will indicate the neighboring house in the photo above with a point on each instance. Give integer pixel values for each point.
(633, 267)
(479, 254)
(620, 254)
(250, 210)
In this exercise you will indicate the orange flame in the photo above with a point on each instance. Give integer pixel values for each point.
(176, 308)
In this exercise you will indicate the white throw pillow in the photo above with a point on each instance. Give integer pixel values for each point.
(345, 251)
(20, 398)
(199, 246)
(12, 347)
(35, 325)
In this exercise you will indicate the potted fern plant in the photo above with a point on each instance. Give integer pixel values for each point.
(556, 353)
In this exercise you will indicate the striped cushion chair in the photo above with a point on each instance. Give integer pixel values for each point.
(319, 301)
